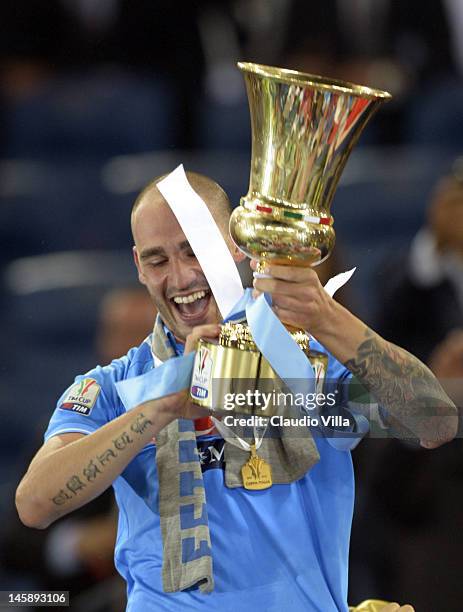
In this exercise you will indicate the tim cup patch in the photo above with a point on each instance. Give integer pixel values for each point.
(81, 397)
(202, 372)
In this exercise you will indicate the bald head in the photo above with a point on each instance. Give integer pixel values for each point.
(166, 262)
(210, 192)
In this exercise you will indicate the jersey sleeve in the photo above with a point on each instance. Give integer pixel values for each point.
(89, 403)
(92, 400)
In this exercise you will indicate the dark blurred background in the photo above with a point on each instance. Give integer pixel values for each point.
(99, 96)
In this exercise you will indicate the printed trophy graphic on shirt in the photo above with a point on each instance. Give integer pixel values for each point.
(303, 130)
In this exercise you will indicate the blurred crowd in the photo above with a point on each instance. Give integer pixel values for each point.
(98, 97)
(121, 76)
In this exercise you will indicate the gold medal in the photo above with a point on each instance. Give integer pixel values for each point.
(257, 473)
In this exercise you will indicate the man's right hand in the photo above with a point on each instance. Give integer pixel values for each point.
(211, 332)
(179, 404)
(71, 469)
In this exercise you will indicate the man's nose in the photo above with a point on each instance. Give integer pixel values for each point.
(181, 274)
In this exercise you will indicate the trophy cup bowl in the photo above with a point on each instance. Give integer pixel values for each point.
(303, 129)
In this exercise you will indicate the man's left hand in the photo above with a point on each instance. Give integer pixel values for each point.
(298, 298)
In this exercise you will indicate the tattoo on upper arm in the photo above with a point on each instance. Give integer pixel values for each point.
(387, 371)
(98, 463)
(401, 383)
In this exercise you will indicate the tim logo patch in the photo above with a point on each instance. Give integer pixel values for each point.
(202, 373)
(81, 397)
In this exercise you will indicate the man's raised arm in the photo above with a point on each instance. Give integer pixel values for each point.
(399, 382)
(406, 388)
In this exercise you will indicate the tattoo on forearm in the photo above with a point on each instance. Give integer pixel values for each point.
(105, 457)
(122, 441)
(140, 424)
(61, 498)
(403, 385)
(90, 472)
(97, 465)
(75, 484)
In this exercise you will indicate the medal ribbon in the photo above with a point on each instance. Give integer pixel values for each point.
(229, 435)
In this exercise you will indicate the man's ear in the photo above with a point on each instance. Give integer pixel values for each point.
(141, 276)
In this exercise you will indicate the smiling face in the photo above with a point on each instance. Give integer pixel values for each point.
(168, 267)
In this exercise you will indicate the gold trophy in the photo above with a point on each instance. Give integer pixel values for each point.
(370, 605)
(303, 130)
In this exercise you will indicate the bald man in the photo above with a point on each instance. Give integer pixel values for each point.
(286, 546)
(161, 251)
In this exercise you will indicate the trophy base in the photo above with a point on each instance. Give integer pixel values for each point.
(230, 375)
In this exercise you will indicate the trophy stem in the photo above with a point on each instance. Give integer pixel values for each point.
(260, 269)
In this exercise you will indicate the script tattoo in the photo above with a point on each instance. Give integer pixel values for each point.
(61, 498)
(122, 441)
(96, 466)
(90, 472)
(75, 484)
(106, 456)
(140, 425)
(405, 387)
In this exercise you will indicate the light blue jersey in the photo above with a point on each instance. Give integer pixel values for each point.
(283, 548)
